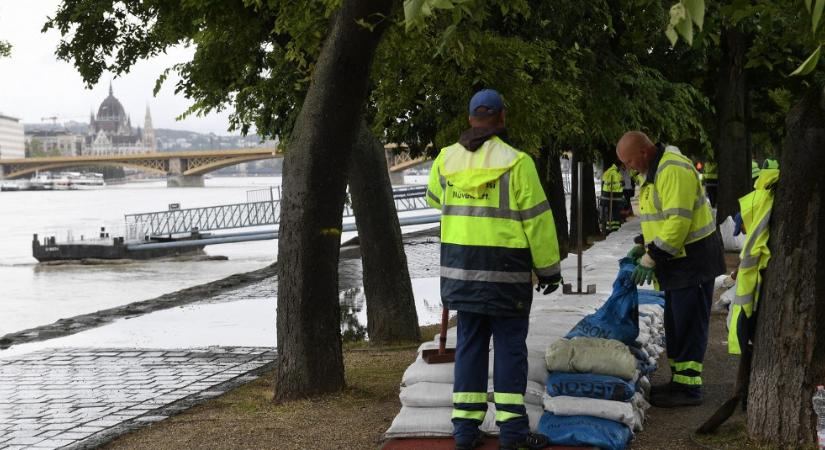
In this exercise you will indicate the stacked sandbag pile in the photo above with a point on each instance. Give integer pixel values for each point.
(426, 389)
(599, 371)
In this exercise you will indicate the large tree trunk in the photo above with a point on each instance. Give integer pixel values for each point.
(391, 315)
(549, 169)
(314, 186)
(732, 150)
(590, 214)
(789, 353)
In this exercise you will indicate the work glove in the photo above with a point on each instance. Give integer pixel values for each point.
(548, 284)
(644, 270)
(636, 252)
(738, 225)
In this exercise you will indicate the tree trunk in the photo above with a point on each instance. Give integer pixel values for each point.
(732, 150)
(391, 315)
(789, 353)
(549, 168)
(590, 216)
(314, 186)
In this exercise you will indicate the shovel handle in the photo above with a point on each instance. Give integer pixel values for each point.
(442, 338)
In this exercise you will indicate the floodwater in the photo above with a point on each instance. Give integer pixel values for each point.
(32, 294)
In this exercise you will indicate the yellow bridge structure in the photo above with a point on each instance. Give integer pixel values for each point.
(182, 169)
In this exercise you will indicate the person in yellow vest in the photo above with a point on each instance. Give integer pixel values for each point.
(754, 170)
(770, 163)
(612, 199)
(684, 253)
(496, 230)
(755, 210)
(710, 178)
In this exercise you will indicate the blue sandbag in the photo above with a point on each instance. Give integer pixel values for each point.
(584, 431)
(650, 297)
(590, 385)
(618, 317)
(645, 367)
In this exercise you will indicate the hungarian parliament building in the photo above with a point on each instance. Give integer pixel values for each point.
(111, 132)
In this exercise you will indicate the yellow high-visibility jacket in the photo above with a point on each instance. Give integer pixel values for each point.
(496, 227)
(756, 215)
(709, 172)
(674, 208)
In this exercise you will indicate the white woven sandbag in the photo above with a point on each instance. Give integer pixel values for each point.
(434, 395)
(419, 371)
(582, 406)
(437, 422)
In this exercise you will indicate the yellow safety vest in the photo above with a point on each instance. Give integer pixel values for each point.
(496, 227)
(674, 208)
(709, 172)
(756, 215)
(612, 181)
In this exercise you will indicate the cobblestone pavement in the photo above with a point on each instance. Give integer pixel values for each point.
(79, 398)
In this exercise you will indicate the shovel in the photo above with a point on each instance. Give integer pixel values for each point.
(442, 354)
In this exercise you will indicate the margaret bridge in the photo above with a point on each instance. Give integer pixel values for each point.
(182, 169)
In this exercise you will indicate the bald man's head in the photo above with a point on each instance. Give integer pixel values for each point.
(635, 150)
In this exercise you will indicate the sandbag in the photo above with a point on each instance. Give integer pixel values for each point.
(589, 385)
(419, 371)
(606, 409)
(593, 355)
(437, 422)
(732, 243)
(649, 297)
(585, 431)
(433, 395)
(618, 317)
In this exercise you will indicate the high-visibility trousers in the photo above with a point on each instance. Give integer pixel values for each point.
(509, 376)
(687, 315)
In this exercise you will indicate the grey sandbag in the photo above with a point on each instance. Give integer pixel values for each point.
(591, 355)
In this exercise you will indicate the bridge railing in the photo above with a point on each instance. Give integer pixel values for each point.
(178, 221)
(139, 227)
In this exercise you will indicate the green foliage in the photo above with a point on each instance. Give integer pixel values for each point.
(5, 49)
(254, 57)
(683, 16)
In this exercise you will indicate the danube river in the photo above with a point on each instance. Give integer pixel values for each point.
(33, 294)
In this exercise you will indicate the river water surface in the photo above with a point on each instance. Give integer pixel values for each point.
(33, 294)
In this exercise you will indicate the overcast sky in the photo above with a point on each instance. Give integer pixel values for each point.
(34, 84)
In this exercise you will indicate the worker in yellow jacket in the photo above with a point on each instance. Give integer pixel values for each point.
(684, 253)
(497, 229)
(612, 199)
(755, 210)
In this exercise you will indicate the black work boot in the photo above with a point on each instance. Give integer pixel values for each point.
(678, 397)
(661, 389)
(530, 442)
(477, 441)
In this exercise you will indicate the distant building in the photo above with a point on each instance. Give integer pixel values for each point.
(12, 142)
(56, 142)
(111, 132)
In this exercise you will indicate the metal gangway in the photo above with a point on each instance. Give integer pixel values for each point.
(262, 209)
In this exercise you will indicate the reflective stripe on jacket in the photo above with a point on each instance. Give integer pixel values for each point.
(496, 228)
(674, 208)
(756, 215)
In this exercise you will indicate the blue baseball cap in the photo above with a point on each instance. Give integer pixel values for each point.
(489, 99)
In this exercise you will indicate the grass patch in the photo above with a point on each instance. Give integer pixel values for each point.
(733, 435)
(246, 417)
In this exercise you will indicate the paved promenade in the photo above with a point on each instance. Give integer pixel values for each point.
(79, 398)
